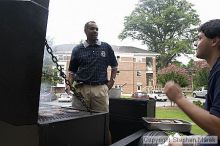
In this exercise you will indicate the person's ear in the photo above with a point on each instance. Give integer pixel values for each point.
(216, 42)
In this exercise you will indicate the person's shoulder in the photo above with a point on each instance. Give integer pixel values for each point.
(218, 61)
(77, 47)
(106, 44)
(216, 67)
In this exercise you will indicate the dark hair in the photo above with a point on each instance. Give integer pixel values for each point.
(87, 24)
(211, 29)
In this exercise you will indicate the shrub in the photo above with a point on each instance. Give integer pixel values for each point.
(199, 103)
(172, 72)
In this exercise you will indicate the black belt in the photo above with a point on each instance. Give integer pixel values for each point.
(93, 83)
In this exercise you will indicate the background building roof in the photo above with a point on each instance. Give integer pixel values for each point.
(64, 48)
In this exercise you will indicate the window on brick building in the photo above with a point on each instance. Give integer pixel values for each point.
(149, 64)
(118, 72)
(66, 57)
(139, 87)
(138, 73)
(138, 59)
(60, 57)
(118, 58)
(149, 79)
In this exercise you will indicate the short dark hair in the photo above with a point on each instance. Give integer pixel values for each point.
(211, 29)
(87, 24)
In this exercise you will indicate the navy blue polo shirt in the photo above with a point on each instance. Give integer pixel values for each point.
(89, 63)
(212, 103)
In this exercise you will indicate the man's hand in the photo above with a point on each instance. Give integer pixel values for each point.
(70, 79)
(110, 84)
(173, 91)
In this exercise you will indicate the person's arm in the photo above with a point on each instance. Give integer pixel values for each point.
(114, 67)
(73, 67)
(208, 122)
(112, 77)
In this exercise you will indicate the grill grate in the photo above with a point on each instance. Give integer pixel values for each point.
(49, 114)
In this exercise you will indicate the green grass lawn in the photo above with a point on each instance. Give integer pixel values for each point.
(176, 113)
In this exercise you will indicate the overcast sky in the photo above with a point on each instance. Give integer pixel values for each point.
(67, 18)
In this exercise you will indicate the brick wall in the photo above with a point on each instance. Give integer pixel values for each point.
(128, 68)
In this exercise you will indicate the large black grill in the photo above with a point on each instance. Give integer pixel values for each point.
(64, 126)
(22, 121)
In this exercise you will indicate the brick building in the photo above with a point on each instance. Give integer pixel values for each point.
(136, 70)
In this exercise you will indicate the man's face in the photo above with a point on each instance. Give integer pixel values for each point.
(203, 46)
(92, 32)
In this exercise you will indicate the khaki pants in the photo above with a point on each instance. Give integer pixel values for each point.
(96, 98)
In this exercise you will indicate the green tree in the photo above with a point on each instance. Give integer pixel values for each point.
(190, 64)
(49, 74)
(167, 27)
(200, 74)
(200, 78)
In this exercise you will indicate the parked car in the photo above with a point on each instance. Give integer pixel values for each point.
(200, 92)
(64, 97)
(140, 95)
(158, 95)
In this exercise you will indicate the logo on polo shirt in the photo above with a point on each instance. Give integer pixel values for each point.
(103, 53)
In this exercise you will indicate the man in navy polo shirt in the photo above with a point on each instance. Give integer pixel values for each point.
(208, 48)
(88, 69)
